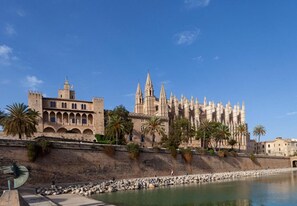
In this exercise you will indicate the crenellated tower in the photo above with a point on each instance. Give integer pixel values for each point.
(66, 92)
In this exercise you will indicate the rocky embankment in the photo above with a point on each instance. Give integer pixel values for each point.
(152, 182)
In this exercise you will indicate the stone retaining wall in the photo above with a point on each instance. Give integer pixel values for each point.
(74, 162)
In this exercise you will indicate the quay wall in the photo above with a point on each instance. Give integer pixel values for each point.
(84, 162)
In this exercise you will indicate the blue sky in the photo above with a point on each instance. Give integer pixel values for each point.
(224, 50)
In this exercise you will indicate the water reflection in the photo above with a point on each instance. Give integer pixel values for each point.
(272, 190)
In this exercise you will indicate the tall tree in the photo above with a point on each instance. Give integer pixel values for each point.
(240, 131)
(113, 119)
(154, 126)
(2, 117)
(204, 132)
(20, 120)
(232, 142)
(173, 140)
(186, 129)
(221, 132)
(259, 131)
(116, 127)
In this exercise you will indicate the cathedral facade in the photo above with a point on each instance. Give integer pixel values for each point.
(146, 104)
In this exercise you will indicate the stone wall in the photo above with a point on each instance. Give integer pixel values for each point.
(74, 162)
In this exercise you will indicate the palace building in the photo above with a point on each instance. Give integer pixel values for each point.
(67, 117)
(147, 105)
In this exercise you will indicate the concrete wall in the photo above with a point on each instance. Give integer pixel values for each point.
(87, 162)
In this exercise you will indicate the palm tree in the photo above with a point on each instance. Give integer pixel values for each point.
(204, 130)
(2, 117)
(115, 127)
(259, 131)
(153, 126)
(221, 132)
(232, 142)
(240, 130)
(186, 130)
(20, 120)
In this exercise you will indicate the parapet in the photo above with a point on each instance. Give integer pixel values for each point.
(34, 93)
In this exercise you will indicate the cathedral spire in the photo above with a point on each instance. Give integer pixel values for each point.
(162, 93)
(149, 99)
(148, 80)
(138, 90)
(149, 89)
(163, 107)
(138, 100)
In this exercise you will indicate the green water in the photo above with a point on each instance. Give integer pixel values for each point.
(272, 190)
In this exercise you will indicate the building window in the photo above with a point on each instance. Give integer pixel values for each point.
(64, 105)
(142, 138)
(53, 104)
(157, 108)
(74, 106)
(83, 106)
(279, 149)
(269, 151)
(268, 145)
(84, 121)
(53, 119)
(73, 121)
(262, 146)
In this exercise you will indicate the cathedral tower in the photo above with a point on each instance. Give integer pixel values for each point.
(149, 99)
(138, 100)
(163, 107)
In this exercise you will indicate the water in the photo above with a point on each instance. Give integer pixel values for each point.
(280, 189)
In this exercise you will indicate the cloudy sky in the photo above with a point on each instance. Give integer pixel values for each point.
(223, 50)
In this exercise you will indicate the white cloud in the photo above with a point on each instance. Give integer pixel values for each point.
(187, 37)
(291, 113)
(32, 82)
(5, 52)
(9, 30)
(6, 55)
(196, 3)
(21, 13)
(198, 59)
(216, 58)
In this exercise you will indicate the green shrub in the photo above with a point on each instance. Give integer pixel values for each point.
(211, 152)
(45, 146)
(187, 155)
(222, 153)
(109, 150)
(32, 151)
(173, 151)
(99, 137)
(38, 148)
(133, 150)
(253, 157)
